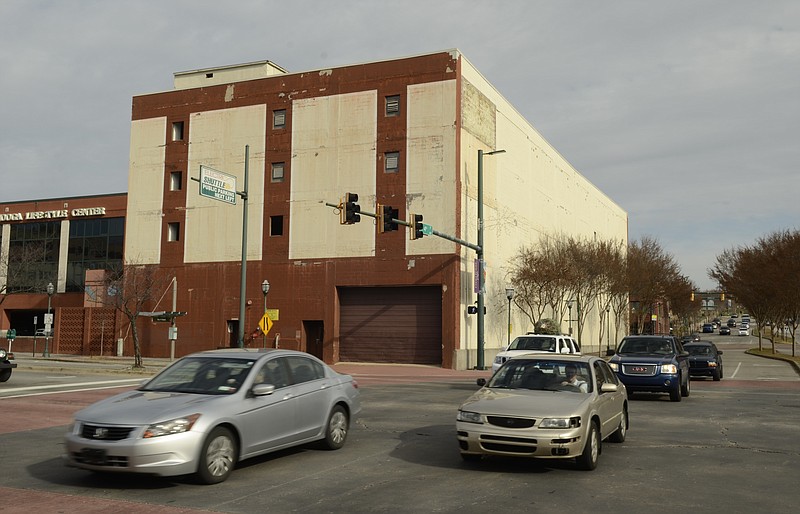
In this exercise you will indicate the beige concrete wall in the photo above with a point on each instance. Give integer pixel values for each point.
(333, 152)
(213, 231)
(431, 169)
(529, 191)
(145, 191)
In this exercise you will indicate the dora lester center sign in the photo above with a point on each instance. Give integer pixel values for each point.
(217, 185)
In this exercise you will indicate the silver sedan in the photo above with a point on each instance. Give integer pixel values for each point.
(536, 406)
(210, 410)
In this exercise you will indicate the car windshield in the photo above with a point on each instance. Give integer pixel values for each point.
(202, 375)
(646, 346)
(547, 344)
(543, 375)
(698, 350)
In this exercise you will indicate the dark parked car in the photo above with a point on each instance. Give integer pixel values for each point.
(6, 365)
(708, 328)
(655, 364)
(724, 331)
(705, 360)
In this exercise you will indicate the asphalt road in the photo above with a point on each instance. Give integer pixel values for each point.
(731, 446)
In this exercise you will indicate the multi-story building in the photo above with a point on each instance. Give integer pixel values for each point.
(404, 133)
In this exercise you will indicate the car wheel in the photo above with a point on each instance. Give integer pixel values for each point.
(675, 394)
(619, 435)
(716, 375)
(687, 388)
(336, 429)
(5, 375)
(591, 450)
(217, 457)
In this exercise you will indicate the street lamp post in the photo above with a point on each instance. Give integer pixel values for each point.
(510, 296)
(608, 329)
(569, 308)
(50, 291)
(481, 285)
(265, 290)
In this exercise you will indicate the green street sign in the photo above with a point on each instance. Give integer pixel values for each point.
(217, 185)
(427, 229)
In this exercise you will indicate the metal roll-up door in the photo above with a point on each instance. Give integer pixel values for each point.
(391, 324)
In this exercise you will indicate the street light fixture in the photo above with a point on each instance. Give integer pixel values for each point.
(265, 290)
(50, 291)
(510, 296)
(481, 285)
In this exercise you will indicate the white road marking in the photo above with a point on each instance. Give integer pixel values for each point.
(736, 370)
(78, 384)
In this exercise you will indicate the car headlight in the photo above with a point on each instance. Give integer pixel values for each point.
(669, 368)
(572, 422)
(469, 417)
(173, 426)
(3, 353)
(498, 360)
(614, 366)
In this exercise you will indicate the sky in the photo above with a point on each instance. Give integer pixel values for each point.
(685, 113)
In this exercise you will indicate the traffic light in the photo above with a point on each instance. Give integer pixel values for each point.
(385, 216)
(692, 295)
(722, 297)
(350, 209)
(416, 226)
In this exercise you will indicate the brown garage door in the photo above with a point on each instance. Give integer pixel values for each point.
(391, 324)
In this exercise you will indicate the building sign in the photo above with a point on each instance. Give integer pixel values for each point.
(217, 185)
(55, 214)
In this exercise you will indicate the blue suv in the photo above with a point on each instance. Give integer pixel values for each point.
(655, 364)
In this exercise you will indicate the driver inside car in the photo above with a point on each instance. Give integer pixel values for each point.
(572, 379)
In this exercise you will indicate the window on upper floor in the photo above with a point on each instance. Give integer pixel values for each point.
(393, 105)
(391, 162)
(177, 131)
(173, 231)
(279, 119)
(277, 172)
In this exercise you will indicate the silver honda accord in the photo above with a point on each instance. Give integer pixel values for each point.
(210, 410)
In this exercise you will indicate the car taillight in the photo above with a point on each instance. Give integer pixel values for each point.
(355, 384)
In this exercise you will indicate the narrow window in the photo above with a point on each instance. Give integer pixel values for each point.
(279, 119)
(392, 160)
(276, 225)
(177, 131)
(175, 181)
(277, 172)
(173, 231)
(393, 105)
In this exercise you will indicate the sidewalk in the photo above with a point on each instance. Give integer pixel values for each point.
(363, 371)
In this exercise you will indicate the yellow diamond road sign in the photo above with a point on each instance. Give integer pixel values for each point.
(265, 324)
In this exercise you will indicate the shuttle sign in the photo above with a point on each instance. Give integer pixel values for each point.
(217, 185)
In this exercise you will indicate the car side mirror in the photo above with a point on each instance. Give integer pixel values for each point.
(610, 352)
(720, 352)
(481, 382)
(608, 387)
(263, 389)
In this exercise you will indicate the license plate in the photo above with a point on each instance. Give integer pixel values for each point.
(93, 456)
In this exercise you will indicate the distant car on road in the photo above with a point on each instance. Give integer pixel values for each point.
(731, 322)
(724, 331)
(744, 331)
(704, 359)
(708, 328)
(210, 410)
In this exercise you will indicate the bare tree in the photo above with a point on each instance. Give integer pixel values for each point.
(650, 272)
(23, 270)
(132, 290)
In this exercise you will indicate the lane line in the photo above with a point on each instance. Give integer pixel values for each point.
(78, 384)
